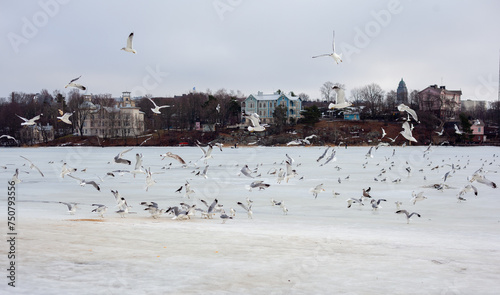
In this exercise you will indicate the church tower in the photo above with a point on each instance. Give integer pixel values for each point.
(402, 93)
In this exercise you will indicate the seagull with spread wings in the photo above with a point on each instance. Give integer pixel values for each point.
(157, 108)
(404, 108)
(129, 47)
(118, 158)
(65, 117)
(341, 103)
(29, 122)
(73, 84)
(33, 166)
(336, 57)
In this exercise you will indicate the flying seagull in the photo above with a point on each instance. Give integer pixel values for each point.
(83, 182)
(408, 215)
(71, 207)
(118, 158)
(340, 102)
(65, 117)
(404, 108)
(257, 184)
(100, 209)
(157, 108)
(407, 132)
(73, 84)
(8, 137)
(457, 131)
(255, 120)
(248, 209)
(173, 156)
(129, 46)
(334, 55)
(383, 133)
(33, 166)
(29, 122)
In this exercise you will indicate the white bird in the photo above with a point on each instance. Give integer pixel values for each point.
(29, 122)
(316, 190)
(157, 108)
(15, 177)
(65, 170)
(466, 189)
(258, 184)
(204, 173)
(118, 158)
(289, 171)
(149, 179)
(408, 215)
(173, 156)
(8, 137)
(407, 132)
(393, 139)
(65, 117)
(350, 201)
(129, 47)
(376, 203)
(206, 154)
(217, 108)
(409, 111)
(330, 158)
(340, 102)
(383, 133)
(225, 217)
(100, 209)
(477, 176)
(188, 190)
(255, 121)
(33, 166)
(440, 133)
(246, 171)
(73, 84)
(248, 209)
(83, 182)
(336, 57)
(417, 197)
(369, 154)
(324, 154)
(71, 207)
(457, 131)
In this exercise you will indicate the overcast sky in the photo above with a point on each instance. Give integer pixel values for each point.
(249, 45)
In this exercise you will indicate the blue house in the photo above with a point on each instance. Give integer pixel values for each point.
(351, 116)
(264, 105)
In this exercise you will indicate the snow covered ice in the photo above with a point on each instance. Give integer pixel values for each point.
(319, 247)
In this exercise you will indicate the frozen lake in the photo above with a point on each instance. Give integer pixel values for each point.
(319, 247)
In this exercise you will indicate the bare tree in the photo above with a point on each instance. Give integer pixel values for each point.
(391, 100)
(373, 94)
(327, 93)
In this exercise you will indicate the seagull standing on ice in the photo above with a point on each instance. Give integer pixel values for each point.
(73, 84)
(157, 108)
(129, 47)
(336, 57)
(29, 122)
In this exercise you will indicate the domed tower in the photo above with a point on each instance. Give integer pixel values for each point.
(402, 93)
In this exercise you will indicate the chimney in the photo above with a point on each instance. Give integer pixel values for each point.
(442, 87)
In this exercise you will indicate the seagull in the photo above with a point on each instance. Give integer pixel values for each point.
(407, 133)
(246, 171)
(225, 217)
(417, 197)
(258, 184)
(393, 139)
(8, 137)
(369, 154)
(330, 158)
(188, 190)
(255, 121)
(324, 154)
(481, 179)
(149, 179)
(398, 204)
(65, 170)
(83, 182)
(366, 194)
(248, 209)
(316, 190)
(29, 122)
(204, 173)
(152, 208)
(340, 102)
(376, 203)
(65, 117)
(121, 202)
(173, 156)
(100, 209)
(350, 201)
(15, 177)
(129, 44)
(71, 207)
(73, 84)
(466, 189)
(157, 108)
(457, 131)
(336, 57)
(217, 108)
(289, 171)
(408, 215)
(32, 166)
(440, 133)
(206, 154)
(120, 160)
(383, 133)
(404, 108)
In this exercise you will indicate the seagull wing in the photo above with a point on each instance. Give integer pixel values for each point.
(74, 80)
(243, 206)
(130, 39)
(123, 152)
(152, 102)
(321, 55)
(24, 119)
(333, 41)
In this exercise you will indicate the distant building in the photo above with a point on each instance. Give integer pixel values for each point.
(443, 103)
(121, 120)
(478, 131)
(402, 93)
(36, 134)
(265, 104)
(352, 116)
(471, 105)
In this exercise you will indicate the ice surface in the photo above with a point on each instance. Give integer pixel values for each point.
(320, 247)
